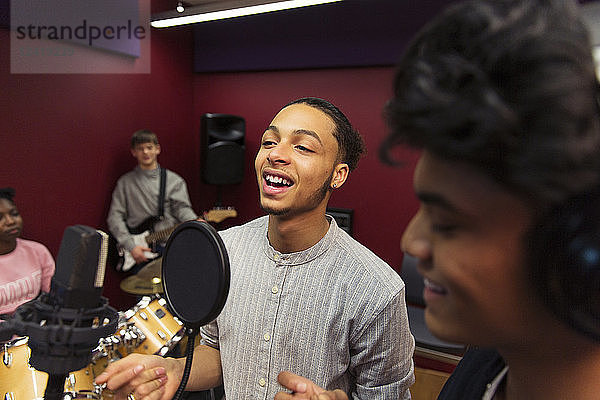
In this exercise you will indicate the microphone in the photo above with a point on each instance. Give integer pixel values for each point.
(81, 264)
(65, 325)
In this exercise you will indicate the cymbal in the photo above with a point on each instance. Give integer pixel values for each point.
(152, 269)
(147, 281)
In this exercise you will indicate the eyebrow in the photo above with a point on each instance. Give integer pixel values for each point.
(435, 199)
(307, 132)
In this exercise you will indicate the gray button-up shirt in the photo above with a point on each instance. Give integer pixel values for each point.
(334, 313)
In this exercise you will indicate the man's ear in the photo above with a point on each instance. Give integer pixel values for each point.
(340, 174)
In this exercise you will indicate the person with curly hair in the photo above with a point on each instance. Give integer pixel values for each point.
(501, 98)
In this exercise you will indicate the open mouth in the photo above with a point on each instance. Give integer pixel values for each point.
(434, 287)
(277, 181)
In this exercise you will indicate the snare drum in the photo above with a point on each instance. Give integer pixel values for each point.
(22, 382)
(161, 329)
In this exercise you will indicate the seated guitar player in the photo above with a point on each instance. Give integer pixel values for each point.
(139, 222)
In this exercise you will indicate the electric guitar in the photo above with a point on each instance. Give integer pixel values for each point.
(143, 235)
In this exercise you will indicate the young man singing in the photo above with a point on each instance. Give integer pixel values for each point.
(302, 290)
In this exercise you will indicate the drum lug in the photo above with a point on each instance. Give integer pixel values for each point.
(70, 382)
(7, 358)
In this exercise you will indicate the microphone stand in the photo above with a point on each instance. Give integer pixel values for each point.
(62, 339)
(55, 387)
(189, 356)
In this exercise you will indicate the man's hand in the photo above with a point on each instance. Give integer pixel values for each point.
(138, 254)
(303, 388)
(146, 377)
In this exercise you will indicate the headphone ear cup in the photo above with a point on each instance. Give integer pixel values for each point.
(565, 260)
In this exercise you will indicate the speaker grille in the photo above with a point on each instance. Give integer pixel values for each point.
(224, 164)
(223, 148)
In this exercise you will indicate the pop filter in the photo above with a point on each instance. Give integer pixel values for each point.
(195, 276)
(195, 273)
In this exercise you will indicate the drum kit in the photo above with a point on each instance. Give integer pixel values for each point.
(147, 328)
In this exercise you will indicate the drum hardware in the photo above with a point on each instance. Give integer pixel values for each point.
(161, 329)
(132, 336)
(7, 356)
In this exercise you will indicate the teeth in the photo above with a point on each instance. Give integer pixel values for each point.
(433, 286)
(277, 179)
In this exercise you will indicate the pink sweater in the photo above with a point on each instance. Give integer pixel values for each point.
(23, 273)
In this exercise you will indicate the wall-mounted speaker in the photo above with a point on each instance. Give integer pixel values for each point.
(223, 148)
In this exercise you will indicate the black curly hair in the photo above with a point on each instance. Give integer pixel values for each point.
(7, 193)
(508, 86)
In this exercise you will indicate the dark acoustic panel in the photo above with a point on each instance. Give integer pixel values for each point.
(343, 217)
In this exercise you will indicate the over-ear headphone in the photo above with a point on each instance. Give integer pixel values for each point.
(565, 257)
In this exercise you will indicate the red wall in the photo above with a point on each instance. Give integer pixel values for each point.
(64, 140)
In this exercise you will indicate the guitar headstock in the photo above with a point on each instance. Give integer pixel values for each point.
(217, 215)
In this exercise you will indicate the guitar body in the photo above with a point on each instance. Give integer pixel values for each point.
(128, 260)
(122, 259)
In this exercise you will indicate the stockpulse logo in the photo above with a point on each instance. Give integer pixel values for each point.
(80, 36)
(84, 31)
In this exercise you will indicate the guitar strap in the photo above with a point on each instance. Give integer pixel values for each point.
(161, 193)
(161, 204)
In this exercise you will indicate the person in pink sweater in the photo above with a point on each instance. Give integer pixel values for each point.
(26, 267)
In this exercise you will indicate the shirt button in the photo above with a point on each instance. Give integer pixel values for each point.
(267, 337)
(274, 290)
(262, 382)
(276, 257)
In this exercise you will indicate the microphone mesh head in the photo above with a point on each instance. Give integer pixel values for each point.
(101, 270)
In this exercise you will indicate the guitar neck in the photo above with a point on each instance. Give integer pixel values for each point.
(159, 236)
(214, 215)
